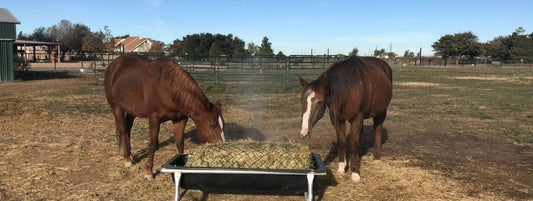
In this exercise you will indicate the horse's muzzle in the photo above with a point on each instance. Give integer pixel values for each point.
(305, 133)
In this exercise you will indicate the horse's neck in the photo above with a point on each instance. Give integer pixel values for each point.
(193, 105)
(323, 86)
(191, 100)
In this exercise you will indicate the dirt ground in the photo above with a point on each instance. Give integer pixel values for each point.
(58, 143)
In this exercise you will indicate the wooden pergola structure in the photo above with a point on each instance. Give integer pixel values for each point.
(53, 49)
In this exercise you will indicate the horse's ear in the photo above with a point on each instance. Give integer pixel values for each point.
(302, 81)
(218, 104)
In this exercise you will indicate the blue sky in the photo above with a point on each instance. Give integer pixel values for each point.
(294, 27)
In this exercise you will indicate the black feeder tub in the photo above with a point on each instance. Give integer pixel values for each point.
(243, 179)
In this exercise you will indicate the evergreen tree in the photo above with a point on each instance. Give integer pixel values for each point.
(266, 48)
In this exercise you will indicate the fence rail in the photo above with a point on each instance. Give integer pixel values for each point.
(267, 73)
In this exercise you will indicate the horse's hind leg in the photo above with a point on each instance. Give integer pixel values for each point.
(128, 124)
(378, 131)
(354, 137)
(121, 134)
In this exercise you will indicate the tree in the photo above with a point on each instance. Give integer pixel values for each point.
(467, 44)
(378, 52)
(123, 36)
(408, 53)
(238, 47)
(520, 31)
(73, 40)
(445, 47)
(354, 51)
(157, 46)
(40, 34)
(215, 49)
(202, 44)
(280, 55)
(459, 44)
(518, 45)
(107, 34)
(22, 36)
(93, 42)
(266, 48)
(252, 48)
(177, 46)
(60, 30)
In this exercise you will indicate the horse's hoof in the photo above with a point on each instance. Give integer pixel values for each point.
(148, 177)
(356, 178)
(128, 164)
(342, 167)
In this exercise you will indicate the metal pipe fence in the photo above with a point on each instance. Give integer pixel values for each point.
(265, 73)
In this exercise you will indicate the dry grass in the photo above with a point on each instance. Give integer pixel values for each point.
(456, 139)
(511, 79)
(418, 84)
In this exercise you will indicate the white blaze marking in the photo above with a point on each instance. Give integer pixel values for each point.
(221, 128)
(307, 113)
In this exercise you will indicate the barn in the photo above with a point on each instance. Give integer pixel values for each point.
(8, 34)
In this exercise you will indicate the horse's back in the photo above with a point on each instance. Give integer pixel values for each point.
(362, 84)
(381, 84)
(128, 82)
(125, 65)
(373, 62)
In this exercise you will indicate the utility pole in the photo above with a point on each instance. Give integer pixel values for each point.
(420, 63)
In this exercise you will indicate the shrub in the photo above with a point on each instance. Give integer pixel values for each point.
(21, 64)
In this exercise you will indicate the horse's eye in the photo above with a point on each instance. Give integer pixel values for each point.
(213, 126)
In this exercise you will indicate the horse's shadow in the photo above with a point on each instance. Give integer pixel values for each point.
(232, 132)
(365, 144)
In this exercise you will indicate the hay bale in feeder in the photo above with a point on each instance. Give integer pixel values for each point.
(252, 155)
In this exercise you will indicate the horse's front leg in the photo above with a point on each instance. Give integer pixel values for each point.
(340, 129)
(154, 124)
(178, 125)
(355, 134)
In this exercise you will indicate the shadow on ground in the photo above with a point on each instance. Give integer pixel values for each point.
(42, 75)
(366, 144)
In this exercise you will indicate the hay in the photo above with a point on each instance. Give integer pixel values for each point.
(252, 155)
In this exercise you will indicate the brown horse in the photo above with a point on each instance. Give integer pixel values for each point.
(354, 89)
(159, 90)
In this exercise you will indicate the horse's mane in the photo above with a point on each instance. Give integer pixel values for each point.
(342, 77)
(187, 92)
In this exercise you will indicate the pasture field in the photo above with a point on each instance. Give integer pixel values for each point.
(452, 134)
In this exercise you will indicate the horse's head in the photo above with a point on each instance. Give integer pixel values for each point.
(313, 104)
(210, 125)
